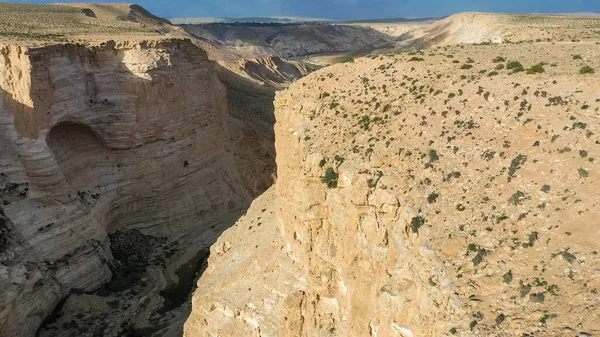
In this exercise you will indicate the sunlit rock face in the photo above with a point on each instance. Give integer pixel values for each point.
(424, 194)
(94, 139)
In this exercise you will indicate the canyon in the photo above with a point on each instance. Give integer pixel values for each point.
(104, 138)
(121, 162)
(446, 190)
(440, 192)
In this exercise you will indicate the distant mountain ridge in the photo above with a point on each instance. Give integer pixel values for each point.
(206, 20)
(203, 20)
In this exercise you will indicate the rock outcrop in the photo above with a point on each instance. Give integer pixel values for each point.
(289, 41)
(425, 194)
(94, 139)
(439, 193)
(475, 27)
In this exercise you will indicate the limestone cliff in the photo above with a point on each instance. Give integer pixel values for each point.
(287, 41)
(98, 138)
(434, 193)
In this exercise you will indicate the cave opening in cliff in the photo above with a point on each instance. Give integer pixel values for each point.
(143, 261)
(83, 157)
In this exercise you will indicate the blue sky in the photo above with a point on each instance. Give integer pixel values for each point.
(354, 9)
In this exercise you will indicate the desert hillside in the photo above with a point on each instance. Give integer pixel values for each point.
(424, 193)
(502, 28)
(290, 40)
(449, 191)
(276, 54)
(38, 25)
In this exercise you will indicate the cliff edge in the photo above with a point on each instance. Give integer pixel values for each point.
(442, 192)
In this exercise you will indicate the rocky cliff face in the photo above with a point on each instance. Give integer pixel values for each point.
(439, 193)
(365, 274)
(289, 41)
(94, 139)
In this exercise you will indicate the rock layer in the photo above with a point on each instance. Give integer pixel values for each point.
(288, 41)
(94, 139)
(432, 193)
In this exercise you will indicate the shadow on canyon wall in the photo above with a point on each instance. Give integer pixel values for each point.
(115, 181)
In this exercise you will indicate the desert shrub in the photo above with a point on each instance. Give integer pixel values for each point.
(348, 60)
(586, 70)
(433, 156)
(577, 57)
(546, 317)
(498, 59)
(417, 59)
(466, 66)
(536, 69)
(330, 178)
(480, 253)
(515, 165)
(416, 223)
(539, 298)
(338, 159)
(517, 198)
(515, 66)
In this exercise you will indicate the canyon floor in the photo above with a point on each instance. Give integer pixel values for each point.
(445, 184)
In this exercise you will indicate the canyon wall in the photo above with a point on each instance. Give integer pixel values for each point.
(366, 275)
(287, 41)
(94, 139)
(425, 194)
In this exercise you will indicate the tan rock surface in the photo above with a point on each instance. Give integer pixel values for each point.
(420, 194)
(461, 198)
(99, 138)
(42, 25)
(474, 27)
(287, 41)
(230, 301)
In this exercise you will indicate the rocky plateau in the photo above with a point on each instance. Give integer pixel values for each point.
(215, 180)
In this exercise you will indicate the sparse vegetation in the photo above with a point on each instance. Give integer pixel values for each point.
(493, 170)
(432, 197)
(515, 165)
(536, 69)
(586, 70)
(515, 66)
(330, 178)
(416, 223)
